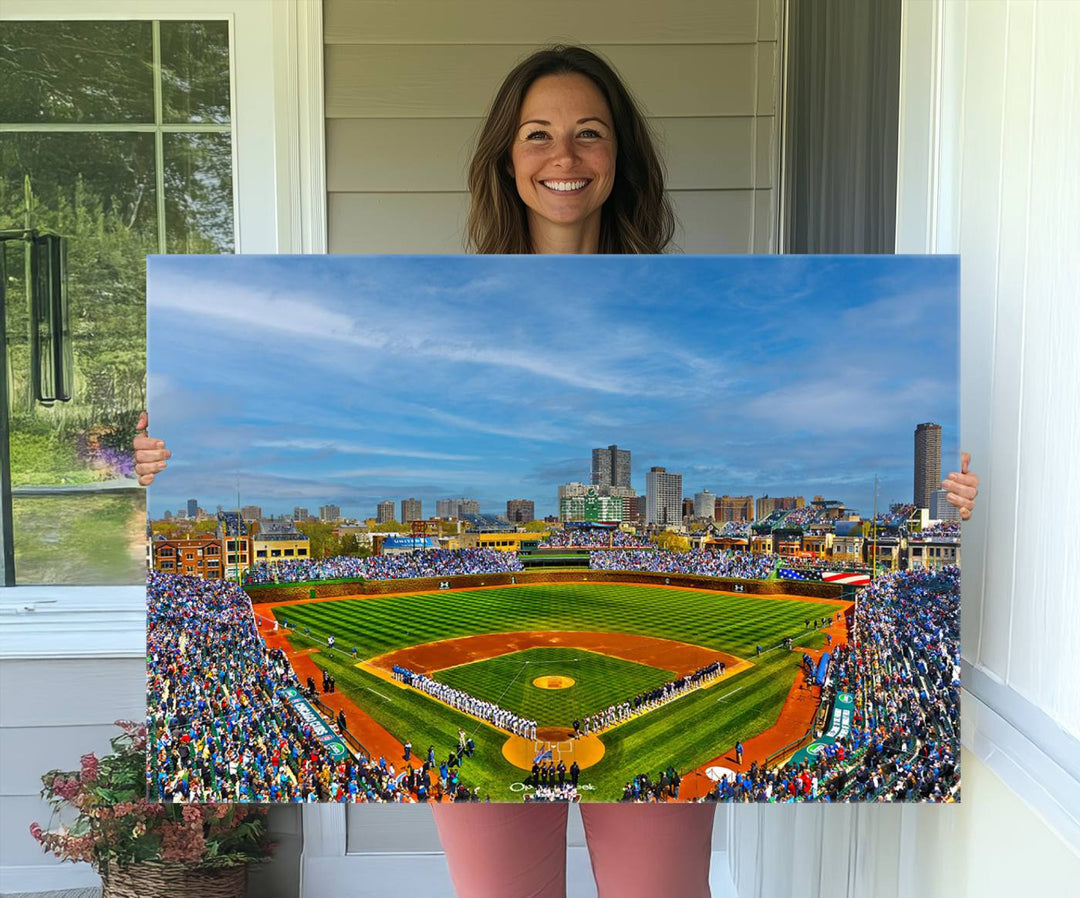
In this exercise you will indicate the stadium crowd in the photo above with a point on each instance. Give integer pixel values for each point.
(219, 729)
(903, 668)
(735, 528)
(428, 563)
(949, 529)
(802, 517)
(593, 539)
(742, 565)
(462, 701)
(641, 789)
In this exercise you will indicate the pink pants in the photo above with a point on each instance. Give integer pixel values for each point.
(519, 850)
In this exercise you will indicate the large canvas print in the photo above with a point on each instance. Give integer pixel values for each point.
(539, 528)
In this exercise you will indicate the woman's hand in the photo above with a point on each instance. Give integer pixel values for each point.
(150, 454)
(962, 487)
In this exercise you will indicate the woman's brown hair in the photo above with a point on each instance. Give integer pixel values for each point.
(637, 216)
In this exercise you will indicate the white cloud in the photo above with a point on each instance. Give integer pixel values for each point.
(345, 447)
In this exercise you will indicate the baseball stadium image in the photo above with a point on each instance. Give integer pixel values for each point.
(543, 528)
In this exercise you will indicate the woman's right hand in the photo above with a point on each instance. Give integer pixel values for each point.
(150, 454)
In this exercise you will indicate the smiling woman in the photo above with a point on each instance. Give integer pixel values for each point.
(563, 162)
(560, 118)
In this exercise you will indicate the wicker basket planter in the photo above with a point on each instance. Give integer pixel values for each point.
(170, 880)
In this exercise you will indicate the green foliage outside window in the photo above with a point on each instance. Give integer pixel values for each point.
(98, 182)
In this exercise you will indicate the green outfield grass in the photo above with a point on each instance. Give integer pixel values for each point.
(599, 681)
(686, 733)
(730, 622)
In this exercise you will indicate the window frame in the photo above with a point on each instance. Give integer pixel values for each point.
(277, 129)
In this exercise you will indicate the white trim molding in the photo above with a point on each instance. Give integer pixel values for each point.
(40, 622)
(278, 128)
(1031, 754)
(298, 30)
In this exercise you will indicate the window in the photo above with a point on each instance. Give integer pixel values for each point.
(117, 135)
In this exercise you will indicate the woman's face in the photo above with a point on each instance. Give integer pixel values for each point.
(563, 155)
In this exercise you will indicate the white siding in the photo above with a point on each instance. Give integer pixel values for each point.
(407, 85)
(68, 670)
(990, 135)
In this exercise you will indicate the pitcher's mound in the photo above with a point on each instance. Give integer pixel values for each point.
(520, 751)
(552, 682)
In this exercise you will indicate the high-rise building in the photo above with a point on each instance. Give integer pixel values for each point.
(927, 463)
(766, 505)
(940, 507)
(410, 510)
(329, 513)
(663, 497)
(384, 512)
(251, 512)
(192, 508)
(520, 511)
(611, 467)
(299, 513)
(734, 508)
(455, 508)
(705, 504)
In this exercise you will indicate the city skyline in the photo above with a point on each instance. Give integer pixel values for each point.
(353, 380)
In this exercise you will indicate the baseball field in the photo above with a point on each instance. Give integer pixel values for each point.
(557, 652)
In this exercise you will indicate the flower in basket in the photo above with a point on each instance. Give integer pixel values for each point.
(111, 825)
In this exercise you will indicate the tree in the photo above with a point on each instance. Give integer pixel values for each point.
(350, 545)
(671, 541)
(389, 527)
(537, 526)
(322, 542)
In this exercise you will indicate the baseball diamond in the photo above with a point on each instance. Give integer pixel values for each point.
(558, 654)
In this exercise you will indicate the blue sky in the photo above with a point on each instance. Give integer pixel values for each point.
(350, 379)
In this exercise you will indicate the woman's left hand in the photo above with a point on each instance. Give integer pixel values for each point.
(962, 487)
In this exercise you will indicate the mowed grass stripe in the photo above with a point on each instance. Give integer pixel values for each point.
(731, 623)
(599, 681)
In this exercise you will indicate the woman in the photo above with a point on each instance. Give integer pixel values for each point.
(565, 164)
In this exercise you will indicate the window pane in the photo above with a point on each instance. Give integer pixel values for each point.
(76, 72)
(198, 193)
(81, 539)
(98, 191)
(195, 71)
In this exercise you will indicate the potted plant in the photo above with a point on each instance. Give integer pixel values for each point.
(141, 847)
